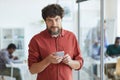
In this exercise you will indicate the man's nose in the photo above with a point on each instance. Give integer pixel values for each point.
(54, 23)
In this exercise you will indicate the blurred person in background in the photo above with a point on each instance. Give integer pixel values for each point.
(92, 41)
(113, 50)
(6, 57)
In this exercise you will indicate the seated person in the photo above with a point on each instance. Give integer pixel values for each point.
(113, 50)
(93, 39)
(6, 57)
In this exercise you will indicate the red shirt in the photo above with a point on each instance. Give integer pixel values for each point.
(42, 44)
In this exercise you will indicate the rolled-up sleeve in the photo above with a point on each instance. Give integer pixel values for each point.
(33, 56)
(78, 55)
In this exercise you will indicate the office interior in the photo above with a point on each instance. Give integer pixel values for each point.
(20, 20)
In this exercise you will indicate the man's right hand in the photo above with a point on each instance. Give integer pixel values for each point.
(52, 58)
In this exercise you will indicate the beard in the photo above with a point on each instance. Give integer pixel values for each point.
(54, 30)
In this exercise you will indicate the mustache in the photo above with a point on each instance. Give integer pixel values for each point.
(54, 26)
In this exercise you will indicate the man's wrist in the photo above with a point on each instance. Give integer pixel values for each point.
(47, 61)
(70, 62)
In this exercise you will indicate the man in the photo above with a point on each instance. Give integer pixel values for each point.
(44, 46)
(113, 50)
(93, 39)
(6, 57)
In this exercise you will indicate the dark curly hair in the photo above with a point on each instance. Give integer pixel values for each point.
(117, 38)
(11, 46)
(52, 11)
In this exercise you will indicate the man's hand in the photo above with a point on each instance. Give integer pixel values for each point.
(52, 58)
(67, 59)
(74, 64)
(15, 58)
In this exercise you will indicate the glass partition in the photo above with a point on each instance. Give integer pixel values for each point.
(92, 34)
(90, 38)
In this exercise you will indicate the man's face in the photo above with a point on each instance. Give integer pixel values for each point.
(117, 42)
(11, 50)
(54, 25)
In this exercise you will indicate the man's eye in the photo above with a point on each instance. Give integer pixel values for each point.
(57, 19)
(49, 20)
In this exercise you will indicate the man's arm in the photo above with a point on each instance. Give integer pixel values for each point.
(7, 60)
(40, 66)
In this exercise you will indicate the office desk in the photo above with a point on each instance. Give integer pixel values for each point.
(108, 62)
(23, 70)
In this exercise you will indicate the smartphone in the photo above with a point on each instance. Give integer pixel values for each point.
(60, 53)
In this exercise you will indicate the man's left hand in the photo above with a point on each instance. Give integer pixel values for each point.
(67, 59)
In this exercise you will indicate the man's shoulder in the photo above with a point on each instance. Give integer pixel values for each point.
(40, 34)
(111, 45)
(3, 51)
(68, 32)
(69, 35)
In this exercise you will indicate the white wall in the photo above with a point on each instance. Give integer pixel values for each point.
(118, 18)
(110, 9)
(21, 12)
(110, 14)
(27, 14)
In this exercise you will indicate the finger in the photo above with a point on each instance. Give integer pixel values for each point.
(66, 55)
(66, 62)
(59, 58)
(53, 53)
(66, 58)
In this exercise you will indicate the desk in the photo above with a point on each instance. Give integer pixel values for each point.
(107, 61)
(25, 74)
